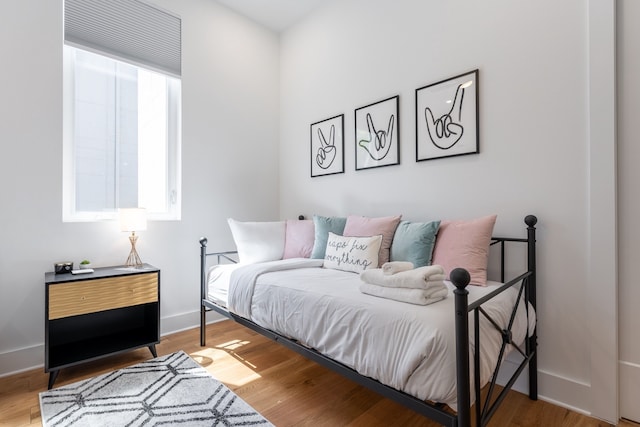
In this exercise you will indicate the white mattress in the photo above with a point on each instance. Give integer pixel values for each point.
(406, 346)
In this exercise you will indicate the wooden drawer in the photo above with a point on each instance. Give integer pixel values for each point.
(82, 297)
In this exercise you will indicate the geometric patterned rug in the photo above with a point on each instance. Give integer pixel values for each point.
(168, 390)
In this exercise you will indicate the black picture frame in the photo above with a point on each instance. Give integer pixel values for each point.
(377, 131)
(327, 146)
(447, 118)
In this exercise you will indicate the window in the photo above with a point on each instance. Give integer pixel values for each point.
(121, 143)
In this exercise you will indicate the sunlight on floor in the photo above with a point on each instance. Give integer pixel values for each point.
(226, 365)
(233, 345)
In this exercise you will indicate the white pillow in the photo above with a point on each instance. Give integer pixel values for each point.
(258, 241)
(352, 253)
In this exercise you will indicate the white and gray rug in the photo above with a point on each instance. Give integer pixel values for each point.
(168, 390)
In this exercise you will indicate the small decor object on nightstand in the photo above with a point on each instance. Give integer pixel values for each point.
(62, 267)
(84, 264)
(134, 219)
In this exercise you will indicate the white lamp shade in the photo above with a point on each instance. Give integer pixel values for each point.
(133, 219)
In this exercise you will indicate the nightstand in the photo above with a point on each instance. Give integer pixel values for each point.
(93, 315)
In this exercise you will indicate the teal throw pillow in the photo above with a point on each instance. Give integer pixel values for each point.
(323, 225)
(414, 242)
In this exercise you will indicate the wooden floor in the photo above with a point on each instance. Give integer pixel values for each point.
(286, 388)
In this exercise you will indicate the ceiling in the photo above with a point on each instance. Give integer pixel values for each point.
(277, 15)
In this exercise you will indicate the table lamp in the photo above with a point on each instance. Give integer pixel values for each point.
(133, 219)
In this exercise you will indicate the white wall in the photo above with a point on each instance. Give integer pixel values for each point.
(230, 160)
(534, 140)
(629, 205)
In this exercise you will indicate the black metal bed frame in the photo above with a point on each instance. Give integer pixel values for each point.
(484, 408)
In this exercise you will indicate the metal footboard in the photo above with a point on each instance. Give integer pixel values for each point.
(485, 408)
(205, 304)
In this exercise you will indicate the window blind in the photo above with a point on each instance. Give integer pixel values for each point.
(129, 30)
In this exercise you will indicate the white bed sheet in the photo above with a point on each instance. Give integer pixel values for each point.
(408, 347)
(218, 278)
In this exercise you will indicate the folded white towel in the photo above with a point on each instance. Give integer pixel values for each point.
(412, 296)
(437, 278)
(393, 267)
(418, 278)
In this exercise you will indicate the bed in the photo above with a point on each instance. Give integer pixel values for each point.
(321, 313)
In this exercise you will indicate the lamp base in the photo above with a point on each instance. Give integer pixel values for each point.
(133, 260)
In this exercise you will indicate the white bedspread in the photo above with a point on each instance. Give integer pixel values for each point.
(408, 347)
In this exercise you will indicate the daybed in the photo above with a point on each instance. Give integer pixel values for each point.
(315, 308)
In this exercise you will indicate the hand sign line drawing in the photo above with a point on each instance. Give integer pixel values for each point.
(327, 150)
(379, 142)
(444, 132)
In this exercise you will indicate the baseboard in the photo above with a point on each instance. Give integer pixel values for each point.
(21, 360)
(26, 359)
(630, 390)
(184, 321)
(507, 369)
(552, 388)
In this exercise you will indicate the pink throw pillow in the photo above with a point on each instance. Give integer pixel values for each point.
(362, 226)
(299, 236)
(465, 244)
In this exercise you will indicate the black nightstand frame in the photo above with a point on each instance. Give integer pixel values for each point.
(75, 339)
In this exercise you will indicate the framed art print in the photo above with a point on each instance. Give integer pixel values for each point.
(327, 146)
(377, 134)
(447, 118)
